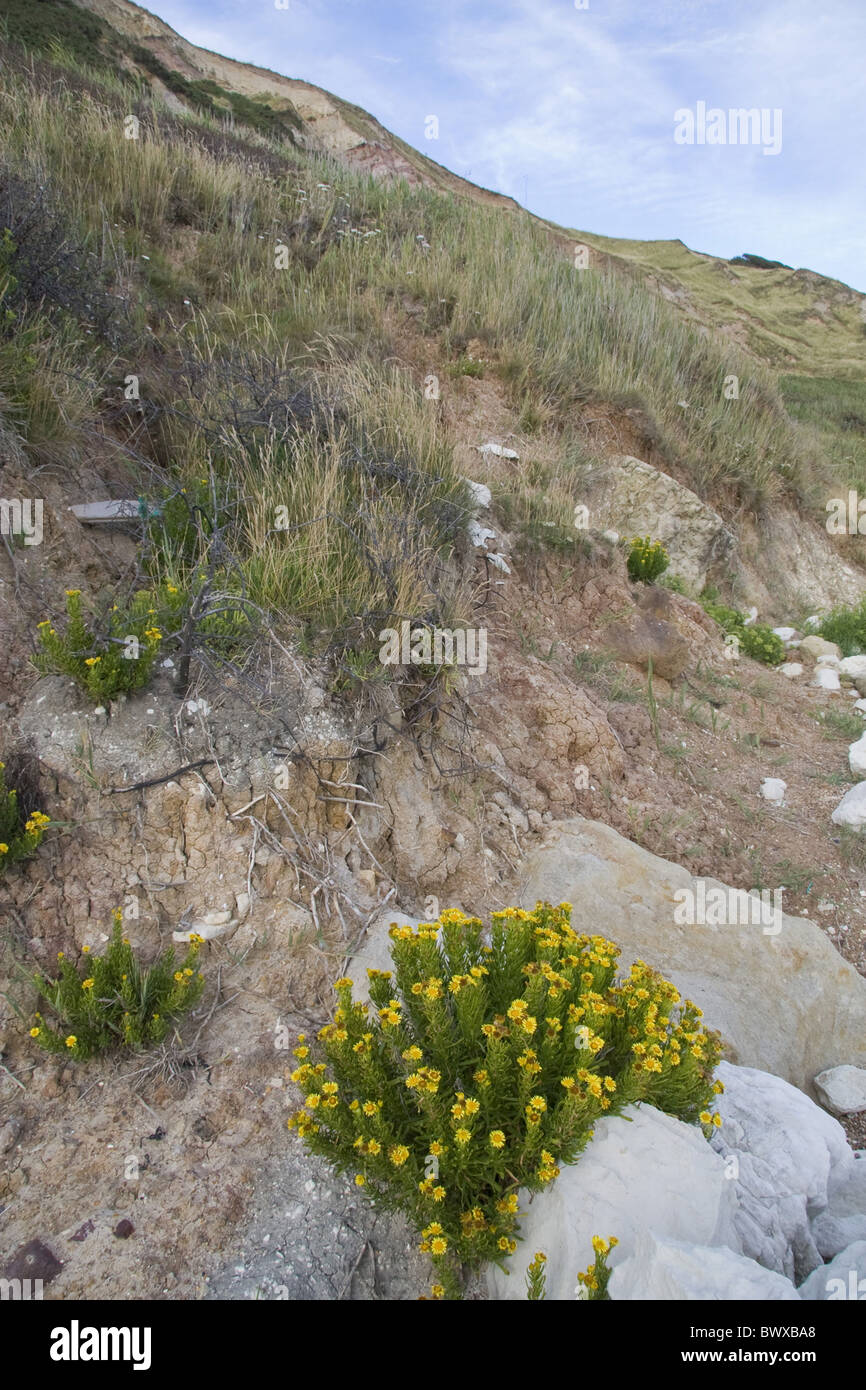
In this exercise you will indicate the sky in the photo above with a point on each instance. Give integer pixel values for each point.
(578, 112)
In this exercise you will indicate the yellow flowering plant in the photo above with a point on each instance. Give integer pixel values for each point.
(647, 559)
(480, 1066)
(20, 834)
(113, 1000)
(107, 657)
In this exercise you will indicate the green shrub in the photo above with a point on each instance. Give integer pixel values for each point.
(113, 1001)
(482, 1067)
(757, 640)
(847, 628)
(646, 560)
(19, 836)
(116, 659)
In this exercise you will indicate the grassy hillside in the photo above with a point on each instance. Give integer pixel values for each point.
(256, 289)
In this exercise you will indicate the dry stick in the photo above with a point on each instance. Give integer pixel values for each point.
(156, 781)
(353, 1271)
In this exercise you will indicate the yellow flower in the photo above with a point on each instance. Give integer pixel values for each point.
(717, 1120)
(472, 1107)
(497, 1139)
(87, 984)
(92, 660)
(438, 1194)
(4, 849)
(437, 1291)
(436, 1148)
(705, 1117)
(374, 1148)
(463, 1136)
(312, 1100)
(343, 983)
(413, 1054)
(330, 1088)
(71, 1040)
(360, 1179)
(178, 975)
(34, 1032)
(398, 1155)
(372, 1107)
(439, 1245)
(70, 593)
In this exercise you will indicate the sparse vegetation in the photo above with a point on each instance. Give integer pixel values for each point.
(113, 1000)
(20, 833)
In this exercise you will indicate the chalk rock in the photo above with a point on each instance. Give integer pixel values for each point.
(857, 756)
(642, 1171)
(842, 1089)
(825, 679)
(773, 789)
(851, 810)
(675, 1271)
(787, 1151)
(763, 991)
(843, 1279)
(480, 493)
(843, 1220)
(816, 646)
(792, 669)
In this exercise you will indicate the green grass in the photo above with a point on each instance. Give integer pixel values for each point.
(278, 378)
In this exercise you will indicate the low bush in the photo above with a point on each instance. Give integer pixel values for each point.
(481, 1067)
(646, 560)
(847, 628)
(757, 640)
(106, 660)
(20, 835)
(112, 1000)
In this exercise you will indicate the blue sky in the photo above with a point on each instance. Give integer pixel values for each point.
(571, 111)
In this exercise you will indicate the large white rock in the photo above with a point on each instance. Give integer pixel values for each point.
(786, 633)
(642, 1171)
(674, 1271)
(825, 679)
(844, 1279)
(632, 497)
(843, 1220)
(791, 669)
(786, 1151)
(842, 1089)
(785, 1002)
(857, 756)
(853, 666)
(851, 810)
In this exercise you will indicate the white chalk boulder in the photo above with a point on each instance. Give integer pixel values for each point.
(844, 1279)
(675, 1271)
(851, 810)
(842, 1089)
(643, 1171)
(784, 1152)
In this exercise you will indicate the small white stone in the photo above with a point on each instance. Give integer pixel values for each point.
(773, 790)
(842, 1089)
(826, 679)
(857, 756)
(791, 669)
(786, 633)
